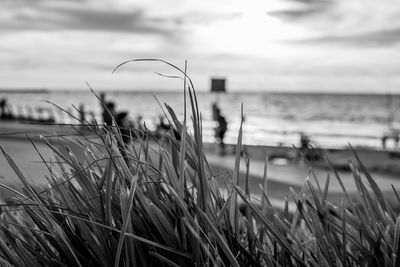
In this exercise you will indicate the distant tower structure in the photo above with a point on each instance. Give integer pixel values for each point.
(218, 85)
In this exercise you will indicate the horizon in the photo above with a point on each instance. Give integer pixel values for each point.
(293, 45)
(200, 91)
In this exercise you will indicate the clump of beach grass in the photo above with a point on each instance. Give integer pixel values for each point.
(156, 202)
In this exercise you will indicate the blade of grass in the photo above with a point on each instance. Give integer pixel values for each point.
(126, 221)
(395, 192)
(31, 191)
(374, 186)
(163, 259)
(233, 210)
(270, 227)
(220, 239)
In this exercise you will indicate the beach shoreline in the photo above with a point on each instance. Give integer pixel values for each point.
(285, 168)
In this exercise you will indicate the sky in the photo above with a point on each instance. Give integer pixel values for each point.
(286, 45)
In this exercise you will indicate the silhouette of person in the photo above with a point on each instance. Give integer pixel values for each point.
(162, 124)
(108, 113)
(3, 107)
(108, 110)
(304, 141)
(383, 140)
(161, 128)
(124, 127)
(82, 114)
(307, 148)
(220, 130)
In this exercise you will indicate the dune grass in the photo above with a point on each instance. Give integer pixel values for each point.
(155, 202)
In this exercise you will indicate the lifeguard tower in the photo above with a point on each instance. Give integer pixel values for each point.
(218, 85)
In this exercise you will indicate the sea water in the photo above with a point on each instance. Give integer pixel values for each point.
(331, 120)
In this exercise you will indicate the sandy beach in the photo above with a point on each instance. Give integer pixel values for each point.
(281, 174)
(23, 144)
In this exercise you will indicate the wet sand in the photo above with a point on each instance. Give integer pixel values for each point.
(15, 142)
(280, 178)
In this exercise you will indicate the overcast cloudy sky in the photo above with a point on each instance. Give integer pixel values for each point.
(306, 45)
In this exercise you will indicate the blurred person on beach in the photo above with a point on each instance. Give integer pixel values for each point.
(220, 130)
(108, 110)
(392, 134)
(109, 113)
(82, 114)
(162, 128)
(307, 148)
(3, 105)
(124, 125)
(5, 112)
(305, 141)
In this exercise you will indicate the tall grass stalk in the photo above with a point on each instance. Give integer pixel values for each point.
(156, 202)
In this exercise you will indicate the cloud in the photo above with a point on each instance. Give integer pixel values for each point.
(80, 15)
(154, 17)
(303, 9)
(384, 37)
(352, 22)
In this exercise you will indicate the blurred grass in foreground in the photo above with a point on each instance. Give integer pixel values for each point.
(157, 203)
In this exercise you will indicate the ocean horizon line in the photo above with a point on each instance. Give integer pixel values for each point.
(200, 91)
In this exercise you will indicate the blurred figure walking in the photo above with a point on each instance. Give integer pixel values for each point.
(221, 129)
(108, 110)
